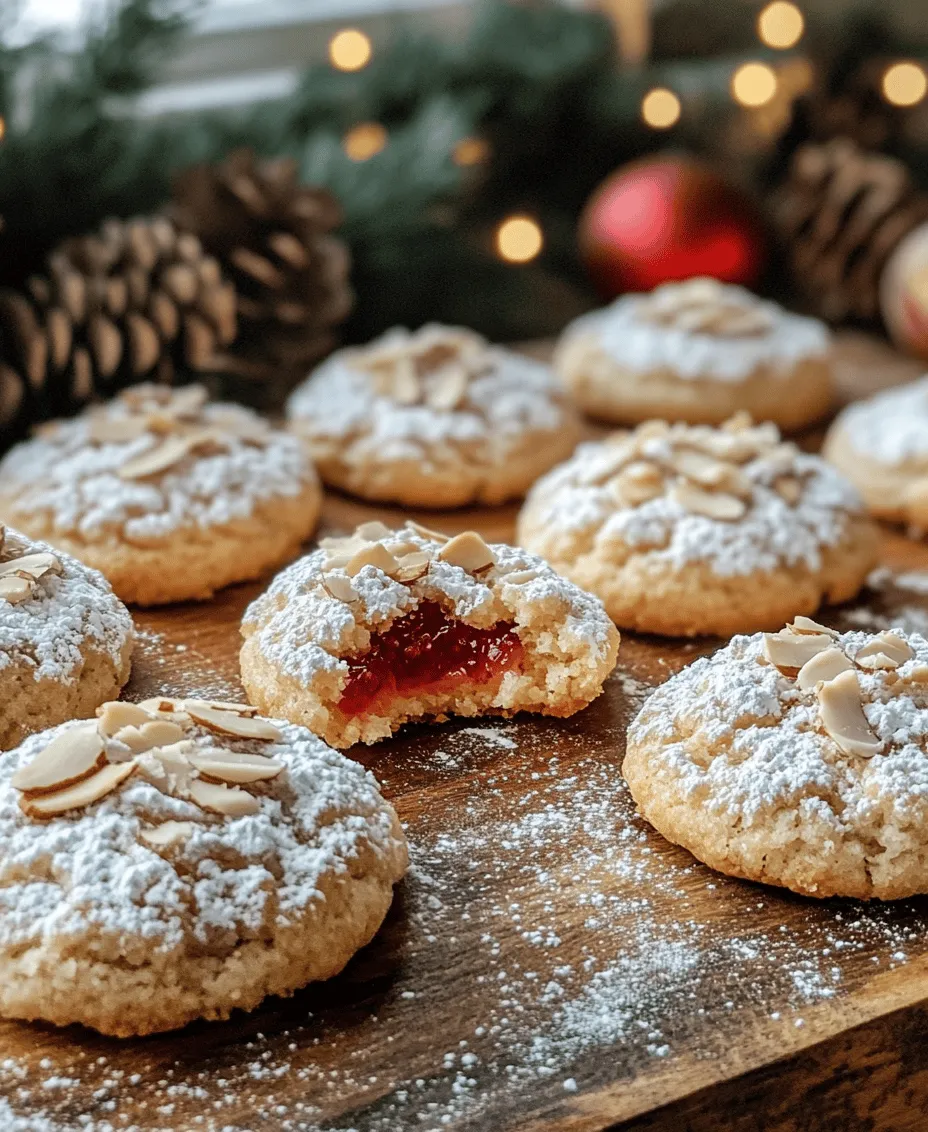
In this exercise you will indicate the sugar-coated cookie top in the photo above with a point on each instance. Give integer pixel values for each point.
(198, 842)
(326, 606)
(735, 497)
(53, 608)
(805, 726)
(702, 329)
(408, 393)
(892, 427)
(152, 462)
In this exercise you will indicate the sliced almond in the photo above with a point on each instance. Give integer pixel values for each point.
(189, 400)
(789, 489)
(885, 650)
(372, 531)
(15, 589)
(116, 715)
(469, 551)
(156, 733)
(161, 703)
(228, 766)
(69, 758)
(611, 460)
(630, 492)
(168, 767)
(35, 565)
(231, 723)
(792, 650)
(158, 459)
(83, 793)
(427, 532)
(843, 718)
(220, 799)
(374, 554)
(712, 504)
(168, 834)
(339, 587)
(413, 566)
(697, 466)
(803, 624)
(105, 429)
(447, 389)
(227, 705)
(520, 577)
(403, 385)
(823, 666)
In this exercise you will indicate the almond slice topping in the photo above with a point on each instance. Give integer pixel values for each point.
(793, 650)
(35, 565)
(228, 766)
(824, 666)
(789, 489)
(83, 793)
(372, 531)
(803, 624)
(446, 389)
(117, 714)
(843, 718)
(228, 705)
(885, 650)
(427, 532)
(698, 467)
(156, 733)
(469, 551)
(168, 834)
(158, 459)
(339, 587)
(230, 801)
(712, 504)
(15, 589)
(69, 758)
(374, 554)
(413, 566)
(231, 723)
(105, 429)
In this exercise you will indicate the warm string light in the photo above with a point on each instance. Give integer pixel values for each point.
(905, 84)
(660, 108)
(519, 239)
(364, 141)
(780, 25)
(470, 151)
(754, 84)
(350, 50)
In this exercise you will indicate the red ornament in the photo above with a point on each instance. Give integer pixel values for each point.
(667, 218)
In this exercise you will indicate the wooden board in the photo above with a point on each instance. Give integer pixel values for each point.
(549, 963)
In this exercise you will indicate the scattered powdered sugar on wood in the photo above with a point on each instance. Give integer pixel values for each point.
(556, 939)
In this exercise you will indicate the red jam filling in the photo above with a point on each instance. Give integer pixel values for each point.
(427, 652)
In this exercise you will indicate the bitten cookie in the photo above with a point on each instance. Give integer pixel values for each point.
(697, 351)
(176, 859)
(169, 496)
(437, 418)
(881, 445)
(65, 638)
(384, 627)
(683, 530)
(796, 758)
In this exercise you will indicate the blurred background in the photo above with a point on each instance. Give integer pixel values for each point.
(231, 188)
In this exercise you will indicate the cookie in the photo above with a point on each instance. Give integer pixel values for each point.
(372, 631)
(687, 529)
(65, 638)
(204, 858)
(697, 351)
(881, 445)
(795, 758)
(436, 418)
(170, 496)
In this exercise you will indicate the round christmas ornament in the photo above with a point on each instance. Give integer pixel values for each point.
(904, 293)
(669, 218)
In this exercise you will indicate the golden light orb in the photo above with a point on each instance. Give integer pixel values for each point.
(754, 84)
(661, 108)
(470, 151)
(780, 25)
(350, 50)
(905, 84)
(364, 140)
(519, 239)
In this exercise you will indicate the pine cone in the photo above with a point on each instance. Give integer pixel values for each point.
(842, 211)
(273, 237)
(134, 302)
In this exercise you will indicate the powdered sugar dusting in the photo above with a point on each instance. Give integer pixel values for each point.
(891, 427)
(772, 533)
(76, 482)
(641, 345)
(68, 614)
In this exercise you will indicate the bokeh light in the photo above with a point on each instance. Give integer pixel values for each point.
(471, 151)
(660, 108)
(519, 239)
(350, 50)
(780, 24)
(364, 140)
(754, 84)
(905, 84)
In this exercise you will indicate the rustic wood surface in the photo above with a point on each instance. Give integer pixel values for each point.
(550, 963)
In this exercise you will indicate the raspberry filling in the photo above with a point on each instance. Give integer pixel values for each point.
(427, 652)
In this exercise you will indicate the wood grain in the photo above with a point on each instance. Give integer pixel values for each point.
(549, 964)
